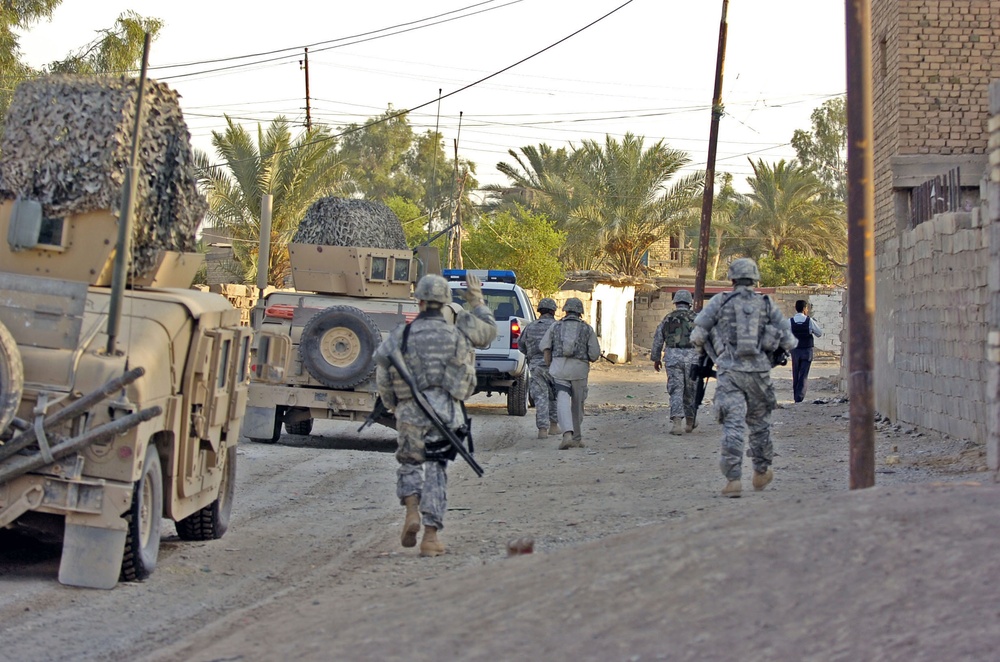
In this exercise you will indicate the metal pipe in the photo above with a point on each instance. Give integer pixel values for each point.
(860, 244)
(264, 250)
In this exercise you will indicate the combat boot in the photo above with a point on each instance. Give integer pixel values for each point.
(732, 489)
(553, 428)
(542, 433)
(761, 480)
(691, 424)
(411, 527)
(430, 545)
(569, 442)
(678, 426)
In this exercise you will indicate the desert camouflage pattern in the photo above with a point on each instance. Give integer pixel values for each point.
(740, 329)
(333, 221)
(540, 384)
(67, 144)
(743, 403)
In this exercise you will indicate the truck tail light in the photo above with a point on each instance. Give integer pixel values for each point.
(515, 333)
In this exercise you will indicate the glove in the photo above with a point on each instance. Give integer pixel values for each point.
(473, 291)
(657, 365)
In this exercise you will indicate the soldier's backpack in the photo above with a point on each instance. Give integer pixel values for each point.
(677, 332)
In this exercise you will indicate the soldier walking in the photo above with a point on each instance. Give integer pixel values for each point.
(740, 331)
(540, 385)
(570, 346)
(441, 358)
(672, 343)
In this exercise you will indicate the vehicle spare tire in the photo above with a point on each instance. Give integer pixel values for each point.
(338, 346)
(11, 377)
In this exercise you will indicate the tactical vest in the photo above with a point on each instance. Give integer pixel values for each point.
(532, 337)
(570, 339)
(438, 355)
(742, 322)
(677, 329)
(803, 333)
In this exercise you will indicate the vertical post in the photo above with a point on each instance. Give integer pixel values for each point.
(264, 247)
(860, 244)
(713, 141)
(305, 66)
(433, 188)
(129, 188)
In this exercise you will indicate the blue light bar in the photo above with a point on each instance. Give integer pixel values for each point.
(490, 276)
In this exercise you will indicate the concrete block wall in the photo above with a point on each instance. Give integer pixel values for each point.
(993, 286)
(931, 326)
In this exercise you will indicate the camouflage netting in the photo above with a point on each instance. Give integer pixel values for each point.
(340, 222)
(67, 144)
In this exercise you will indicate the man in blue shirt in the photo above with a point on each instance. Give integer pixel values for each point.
(803, 328)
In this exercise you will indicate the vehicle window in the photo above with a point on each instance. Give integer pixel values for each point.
(503, 303)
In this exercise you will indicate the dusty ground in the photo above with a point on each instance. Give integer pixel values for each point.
(636, 556)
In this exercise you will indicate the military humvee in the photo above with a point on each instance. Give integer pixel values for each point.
(121, 397)
(314, 348)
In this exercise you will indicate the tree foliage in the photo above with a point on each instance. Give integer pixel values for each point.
(295, 171)
(796, 268)
(517, 239)
(824, 149)
(789, 211)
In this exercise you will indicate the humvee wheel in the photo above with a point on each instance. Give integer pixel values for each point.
(301, 427)
(212, 521)
(142, 543)
(11, 377)
(338, 346)
(517, 396)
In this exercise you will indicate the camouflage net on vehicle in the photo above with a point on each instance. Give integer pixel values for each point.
(334, 221)
(67, 144)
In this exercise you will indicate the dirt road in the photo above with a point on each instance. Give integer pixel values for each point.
(637, 557)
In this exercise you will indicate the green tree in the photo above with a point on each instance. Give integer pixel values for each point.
(517, 239)
(790, 211)
(824, 149)
(295, 171)
(728, 209)
(796, 268)
(626, 200)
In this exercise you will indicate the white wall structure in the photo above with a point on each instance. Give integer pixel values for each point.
(611, 316)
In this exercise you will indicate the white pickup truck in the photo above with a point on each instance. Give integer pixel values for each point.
(501, 367)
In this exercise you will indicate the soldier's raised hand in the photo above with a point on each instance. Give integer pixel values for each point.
(474, 290)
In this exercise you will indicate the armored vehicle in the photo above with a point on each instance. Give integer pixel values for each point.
(121, 392)
(314, 349)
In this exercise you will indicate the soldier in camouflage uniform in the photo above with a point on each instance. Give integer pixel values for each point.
(441, 357)
(672, 343)
(570, 346)
(540, 386)
(740, 331)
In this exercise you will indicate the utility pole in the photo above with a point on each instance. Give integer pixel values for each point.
(713, 141)
(432, 189)
(304, 64)
(456, 201)
(860, 244)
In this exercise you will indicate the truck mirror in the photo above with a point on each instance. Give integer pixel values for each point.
(25, 224)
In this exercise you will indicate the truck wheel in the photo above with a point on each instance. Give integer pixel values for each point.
(142, 543)
(279, 414)
(301, 427)
(212, 521)
(11, 377)
(517, 396)
(338, 346)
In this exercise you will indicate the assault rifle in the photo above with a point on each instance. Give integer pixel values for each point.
(379, 411)
(701, 372)
(396, 359)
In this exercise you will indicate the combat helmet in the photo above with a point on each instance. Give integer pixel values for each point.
(743, 268)
(547, 304)
(573, 305)
(683, 296)
(433, 288)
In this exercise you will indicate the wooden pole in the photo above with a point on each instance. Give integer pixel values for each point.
(860, 244)
(713, 142)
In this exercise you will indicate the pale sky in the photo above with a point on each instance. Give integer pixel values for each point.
(647, 68)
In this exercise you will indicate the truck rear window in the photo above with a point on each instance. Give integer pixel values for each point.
(503, 303)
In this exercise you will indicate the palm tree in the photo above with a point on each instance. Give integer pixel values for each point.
(627, 201)
(791, 209)
(728, 210)
(295, 172)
